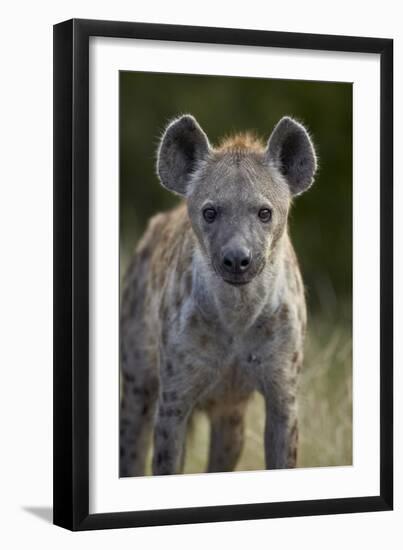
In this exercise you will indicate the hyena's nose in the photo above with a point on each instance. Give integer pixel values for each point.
(236, 260)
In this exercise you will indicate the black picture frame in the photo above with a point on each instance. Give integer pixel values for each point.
(71, 273)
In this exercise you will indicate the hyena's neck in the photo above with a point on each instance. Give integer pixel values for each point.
(238, 308)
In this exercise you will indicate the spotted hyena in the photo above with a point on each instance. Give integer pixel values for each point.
(213, 303)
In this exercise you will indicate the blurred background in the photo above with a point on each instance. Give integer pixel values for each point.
(320, 226)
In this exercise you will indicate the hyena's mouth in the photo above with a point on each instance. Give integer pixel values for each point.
(238, 283)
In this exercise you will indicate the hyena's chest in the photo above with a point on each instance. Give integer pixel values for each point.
(225, 350)
(233, 362)
(238, 364)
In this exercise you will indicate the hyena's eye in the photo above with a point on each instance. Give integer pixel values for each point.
(265, 214)
(209, 214)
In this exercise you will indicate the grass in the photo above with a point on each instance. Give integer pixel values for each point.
(325, 406)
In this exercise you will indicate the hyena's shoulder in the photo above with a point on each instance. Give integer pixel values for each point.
(293, 286)
(292, 270)
(166, 245)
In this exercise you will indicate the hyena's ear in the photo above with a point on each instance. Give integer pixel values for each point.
(291, 151)
(182, 146)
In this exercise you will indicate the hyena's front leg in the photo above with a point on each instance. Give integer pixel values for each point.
(176, 402)
(281, 431)
(174, 407)
(182, 383)
(227, 438)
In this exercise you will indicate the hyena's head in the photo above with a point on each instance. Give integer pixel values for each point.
(238, 194)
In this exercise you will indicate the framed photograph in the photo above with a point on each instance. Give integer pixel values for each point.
(223, 317)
